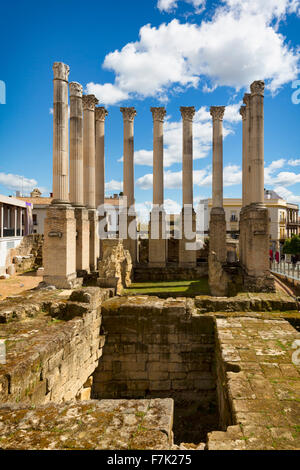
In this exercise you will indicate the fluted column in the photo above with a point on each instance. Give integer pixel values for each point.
(100, 115)
(244, 155)
(158, 115)
(60, 134)
(128, 229)
(89, 164)
(59, 249)
(76, 180)
(248, 149)
(157, 239)
(128, 154)
(76, 145)
(217, 113)
(89, 149)
(217, 225)
(187, 114)
(187, 243)
(257, 156)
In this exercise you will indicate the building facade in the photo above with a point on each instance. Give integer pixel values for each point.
(15, 222)
(283, 216)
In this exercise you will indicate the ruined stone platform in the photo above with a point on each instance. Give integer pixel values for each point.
(89, 425)
(259, 362)
(246, 361)
(247, 302)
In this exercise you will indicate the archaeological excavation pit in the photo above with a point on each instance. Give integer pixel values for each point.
(159, 349)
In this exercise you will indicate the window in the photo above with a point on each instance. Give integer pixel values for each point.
(34, 219)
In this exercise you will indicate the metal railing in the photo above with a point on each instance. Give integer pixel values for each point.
(291, 270)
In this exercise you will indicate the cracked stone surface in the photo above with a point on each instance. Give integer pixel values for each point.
(94, 424)
(265, 393)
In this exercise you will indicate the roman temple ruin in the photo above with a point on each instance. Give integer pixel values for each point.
(74, 245)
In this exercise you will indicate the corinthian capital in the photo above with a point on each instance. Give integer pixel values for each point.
(128, 113)
(75, 89)
(61, 71)
(257, 88)
(243, 112)
(158, 114)
(89, 102)
(217, 112)
(187, 112)
(100, 113)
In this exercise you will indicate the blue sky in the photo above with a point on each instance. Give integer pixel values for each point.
(152, 53)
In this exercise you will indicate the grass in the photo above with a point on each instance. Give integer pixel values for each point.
(179, 288)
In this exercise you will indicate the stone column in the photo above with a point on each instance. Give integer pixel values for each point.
(243, 113)
(76, 180)
(128, 184)
(76, 145)
(89, 149)
(60, 133)
(187, 243)
(254, 221)
(157, 237)
(257, 155)
(100, 115)
(217, 226)
(248, 149)
(89, 164)
(244, 155)
(217, 113)
(59, 251)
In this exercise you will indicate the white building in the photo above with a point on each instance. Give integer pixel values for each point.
(284, 218)
(15, 222)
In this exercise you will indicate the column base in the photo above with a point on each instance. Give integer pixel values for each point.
(64, 282)
(254, 227)
(129, 243)
(187, 247)
(94, 239)
(217, 277)
(82, 241)
(59, 251)
(158, 246)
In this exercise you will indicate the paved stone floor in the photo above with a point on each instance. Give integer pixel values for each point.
(94, 424)
(265, 394)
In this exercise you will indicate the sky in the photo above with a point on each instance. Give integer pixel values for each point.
(147, 53)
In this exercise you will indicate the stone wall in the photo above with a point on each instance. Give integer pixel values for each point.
(155, 347)
(169, 273)
(52, 354)
(27, 255)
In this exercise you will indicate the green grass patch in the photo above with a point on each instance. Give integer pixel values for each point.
(184, 288)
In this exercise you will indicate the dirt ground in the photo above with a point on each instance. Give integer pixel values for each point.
(18, 283)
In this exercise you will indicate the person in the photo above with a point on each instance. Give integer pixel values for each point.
(277, 256)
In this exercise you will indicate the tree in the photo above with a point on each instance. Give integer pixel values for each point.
(292, 246)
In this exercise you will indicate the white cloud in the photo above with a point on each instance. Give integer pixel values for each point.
(17, 182)
(232, 175)
(271, 168)
(294, 162)
(107, 94)
(287, 194)
(202, 137)
(170, 5)
(238, 44)
(113, 185)
(166, 5)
